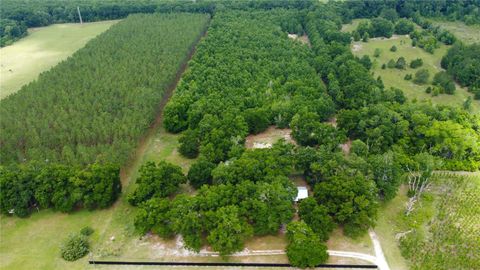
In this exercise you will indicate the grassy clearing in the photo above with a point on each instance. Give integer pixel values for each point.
(394, 77)
(466, 33)
(387, 227)
(352, 26)
(43, 48)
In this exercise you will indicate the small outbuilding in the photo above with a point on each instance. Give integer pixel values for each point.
(302, 193)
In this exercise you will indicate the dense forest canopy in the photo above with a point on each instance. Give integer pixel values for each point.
(247, 74)
(244, 78)
(99, 102)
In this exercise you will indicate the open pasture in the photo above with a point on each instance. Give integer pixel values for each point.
(43, 48)
(393, 77)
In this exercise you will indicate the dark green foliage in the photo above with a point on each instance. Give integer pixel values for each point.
(381, 28)
(189, 144)
(365, 37)
(463, 63)
(416, 63)
(241, 79)
(200, 173)
(366, 62)
(421, 76)
(356, 36)
(389, 14)
(316, 217)
(384, 66)
(257, 120)
(359, 148)
(351, 200)
(408, 77)
(425, 40)
(404, 27)
(229, 231)
(445, 81)
(391, 63)
(75, 247)
(309, 131)
(256, 165)
(467, 105)
(377, 52)
(376, 27)
(10, 31)
(99, 102)
(154, 215)
(157, 181)
(60, 187)
(393, 48)
(304, 248)
(86, 231)
(401, 63)
(386, 173)
(224, 215)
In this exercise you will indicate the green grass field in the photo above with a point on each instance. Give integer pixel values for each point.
(394, 77)
(466, 33)
(43, 48)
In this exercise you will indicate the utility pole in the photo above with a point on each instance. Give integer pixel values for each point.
(79, 14)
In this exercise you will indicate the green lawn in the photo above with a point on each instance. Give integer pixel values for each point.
(467, 33)
(43, 48)
(394, 77)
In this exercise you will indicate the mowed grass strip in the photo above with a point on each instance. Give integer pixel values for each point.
(395, 77)
(43, 48)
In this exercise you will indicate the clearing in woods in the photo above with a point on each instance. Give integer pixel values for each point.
(393, 77)
(466, 33)
(44, 47)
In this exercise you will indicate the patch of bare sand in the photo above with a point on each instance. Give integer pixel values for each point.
(303, 39)
(267, 138)
(346, 146)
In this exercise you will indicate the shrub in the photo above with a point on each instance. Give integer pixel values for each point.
(366, 62)
(75, 247)
(428, 90)
(356, 36)
(200, 173)
(189, 144)
(408, 77)
(86, 231)
(403, 27)
(421, 76)
(391, 63)
(384, 66)
(377, 52)
(401, 63)
(393, 48)
(416, 63)
(445, 81)
(365, 37)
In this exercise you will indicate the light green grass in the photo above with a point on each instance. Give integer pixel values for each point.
(466, 33)
(352, 26)
(387, 227)
(43, 48)
(394, 77)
